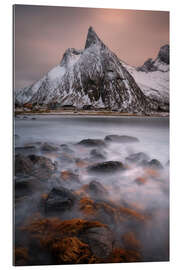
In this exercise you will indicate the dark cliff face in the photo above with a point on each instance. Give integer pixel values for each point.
(94, 76)
(164, 54)
(153, 65)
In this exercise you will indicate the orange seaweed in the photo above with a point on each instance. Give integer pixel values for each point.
(128, 212)
(122, 255)
(130, 241)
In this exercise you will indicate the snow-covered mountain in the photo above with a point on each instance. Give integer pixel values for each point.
(94, 76)
(153, 77)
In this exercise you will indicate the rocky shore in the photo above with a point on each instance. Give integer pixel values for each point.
(75, 206)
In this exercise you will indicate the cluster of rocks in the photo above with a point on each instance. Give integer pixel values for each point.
(64, 196)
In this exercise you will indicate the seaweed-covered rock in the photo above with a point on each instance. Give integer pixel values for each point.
(107, 167)
(121, 139)
(59, 199)
(100, 241)
(92, 143)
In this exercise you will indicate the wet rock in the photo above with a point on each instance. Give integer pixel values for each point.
(121, 139)
(59, 200)
(26, 185)
(42, 166)
(23, 165)
(97, 154)
(69, 176)
(48, 147)
(92, 143)
(106, 167)
(155, 164)
(139, 158)
(65, 148)
(100, 241)
(27, 149)
(97, 189)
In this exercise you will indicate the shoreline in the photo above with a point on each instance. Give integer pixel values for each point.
(88, 113)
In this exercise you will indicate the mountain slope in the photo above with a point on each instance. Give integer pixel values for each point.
(153, 77)
(94, 76)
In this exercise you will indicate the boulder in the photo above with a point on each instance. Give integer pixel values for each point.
(97, 189)
(59, 200)
(100, 241)
(107, 167)
(121, 139)
(42, 166)
(92, 143)
(155, 164)
(139, 158)
(97, 154)
(47, 147)
(23, 165)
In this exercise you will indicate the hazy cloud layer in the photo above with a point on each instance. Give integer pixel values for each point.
(42, 34)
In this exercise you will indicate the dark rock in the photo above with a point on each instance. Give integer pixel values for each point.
(43, 167)
(155, 164)
(59, 200)
(26, 185)
(97, 154)
(100, 241)
(33, 118)
(48, 147)
(27, 149)
(69, 176)
(65, 148)
(97, 189)
(164, 54)
(121, 139)
(139, 158)
(23, 165)
(106, 167)
(92, 143)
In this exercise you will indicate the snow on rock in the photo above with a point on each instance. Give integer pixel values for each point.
(153, 77)
(95, 76)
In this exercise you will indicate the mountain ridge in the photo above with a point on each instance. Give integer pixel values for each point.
(93, 76)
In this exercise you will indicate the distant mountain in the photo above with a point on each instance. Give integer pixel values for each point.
(153, 77)
(95, 76)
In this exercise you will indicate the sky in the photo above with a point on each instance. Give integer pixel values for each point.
(43, 33)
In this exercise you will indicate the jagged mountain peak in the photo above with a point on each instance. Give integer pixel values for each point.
(163, 54)
(92, 38)
(94, 76)
(161, 63)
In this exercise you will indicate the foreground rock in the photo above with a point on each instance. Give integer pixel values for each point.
(107, 167)
(97, 190)
(23, 165)
(92, 143)
(138, 158)
(47, 147)
(121, 139)
(100, 241)
(155, 164)
(59, 200)
(38, 166)
(97, 154)
(68, 241)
